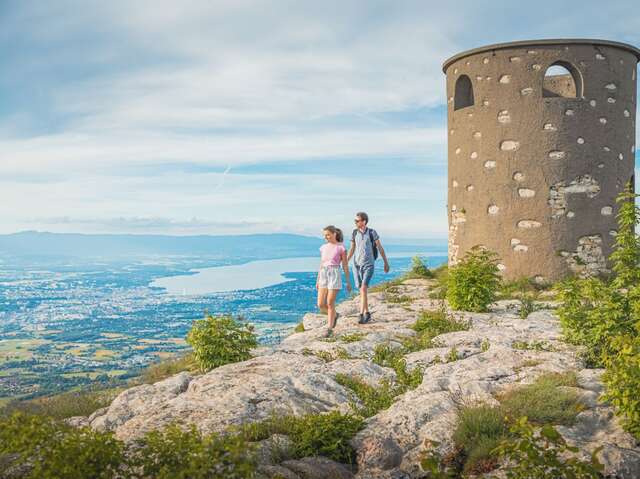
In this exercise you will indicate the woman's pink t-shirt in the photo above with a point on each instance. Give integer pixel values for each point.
(331, 254)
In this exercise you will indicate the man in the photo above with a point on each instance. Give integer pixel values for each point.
(364, 243)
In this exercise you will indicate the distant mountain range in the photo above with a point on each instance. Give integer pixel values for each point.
(33, 243)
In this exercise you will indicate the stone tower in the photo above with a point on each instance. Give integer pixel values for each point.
(541, 139)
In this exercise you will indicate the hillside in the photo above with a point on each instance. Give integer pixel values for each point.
(486, 360)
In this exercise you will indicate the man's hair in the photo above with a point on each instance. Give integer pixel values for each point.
(363, 216)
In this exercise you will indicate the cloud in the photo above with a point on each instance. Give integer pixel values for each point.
(149, 109)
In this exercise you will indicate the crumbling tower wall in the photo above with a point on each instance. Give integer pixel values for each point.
(536, 159)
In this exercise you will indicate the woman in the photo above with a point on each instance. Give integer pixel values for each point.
(329, 281)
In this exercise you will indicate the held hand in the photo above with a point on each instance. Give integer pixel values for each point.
(386, 267)
(317, 285)
(349, 287)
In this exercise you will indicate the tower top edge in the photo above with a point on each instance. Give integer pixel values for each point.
(537, 43)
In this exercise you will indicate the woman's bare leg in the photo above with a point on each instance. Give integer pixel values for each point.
(322, 300)
(331, 306)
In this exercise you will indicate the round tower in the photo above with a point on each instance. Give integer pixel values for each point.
(541, 139)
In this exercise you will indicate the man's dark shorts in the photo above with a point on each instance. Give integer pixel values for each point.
(362, 274)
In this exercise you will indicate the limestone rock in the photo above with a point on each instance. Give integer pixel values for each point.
(318, 468)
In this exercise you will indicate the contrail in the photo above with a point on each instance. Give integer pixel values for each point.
(223, 176)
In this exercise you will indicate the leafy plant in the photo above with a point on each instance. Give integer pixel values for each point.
(542, 454)
(388, 357)
(299, 328)
(452, 355)
(419, 269)
(479, 429)
(373, 399)
(352, 337)
(185, 454)
(327, 435)
(431, 324)
(221, 340)
(474, 281)
(622, 380)
(527, 305)
(52, 449)
(164, 369)
(543, 402)
(485, 345)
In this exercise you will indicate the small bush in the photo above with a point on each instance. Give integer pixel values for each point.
(388, 357)
(431, 324)
(452, 355)
(351, 337)
(161, 370)
(485, 345)
(48, 448)
(419, 269)
(478, 430)
(532, 454)
(299, 328)
(177, 453)
(622, 380)
(327, 435)
(474, 281)
(64, 405)
(373, 399)
(591, 313)
(543, 402)
(527, 305)
(221, 340)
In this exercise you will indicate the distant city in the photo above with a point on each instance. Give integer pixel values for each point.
(69, 320)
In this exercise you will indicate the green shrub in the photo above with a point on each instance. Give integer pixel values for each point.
(527, 305)
(373, 399)
(543, 402)
(622, 380)
(299, 328)
(351, 337)
(591, 313)
(161, 370)
(51, 449)
(220, 340)
(177, 453)
(327, 435)
(419, 269)
(452, 355)
(474, 281)
(431, 324)
(485, 345)
(479, 429)
(388, 357)
(64, 405)
(543, 454)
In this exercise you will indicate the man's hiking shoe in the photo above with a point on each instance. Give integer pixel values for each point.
(367, 317)
(329, 333)
(337, 316)
(361, 319)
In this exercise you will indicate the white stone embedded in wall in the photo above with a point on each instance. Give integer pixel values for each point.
(458, 150)
(606, 211)
(504, 117)
(610, 86)
(474, 155)
(592, 103)
(454, 183)
(489, 164)
(580, 140)
(549, 127)
(515, 59)
(600, 56)
(557, 154)
(509, 145)
(570, 214)
(627, 114)
(602, 120)
(518, 176)
(477, 134)
(505, 79)
(569, 112)
(493, 209)
(521, 247)
(470, 187)
(611, 100)
(526, 91)
(528, 224)
(526, 193)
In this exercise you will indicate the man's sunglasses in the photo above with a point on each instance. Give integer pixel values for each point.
(357, 220)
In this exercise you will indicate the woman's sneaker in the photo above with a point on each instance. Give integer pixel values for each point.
(361, 318)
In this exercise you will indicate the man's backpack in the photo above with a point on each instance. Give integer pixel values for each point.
(373, 243)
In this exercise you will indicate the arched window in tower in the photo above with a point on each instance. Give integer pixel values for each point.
(562, 80)
(464, 93)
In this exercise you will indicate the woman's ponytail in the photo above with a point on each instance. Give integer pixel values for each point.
(337, 232)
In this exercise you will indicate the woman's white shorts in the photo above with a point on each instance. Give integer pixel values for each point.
(330, 277)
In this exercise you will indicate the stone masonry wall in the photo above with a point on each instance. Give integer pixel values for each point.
(535, 177)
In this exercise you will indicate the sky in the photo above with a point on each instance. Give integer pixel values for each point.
(234, 117)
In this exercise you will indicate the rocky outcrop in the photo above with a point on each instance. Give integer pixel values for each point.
(298, 376)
